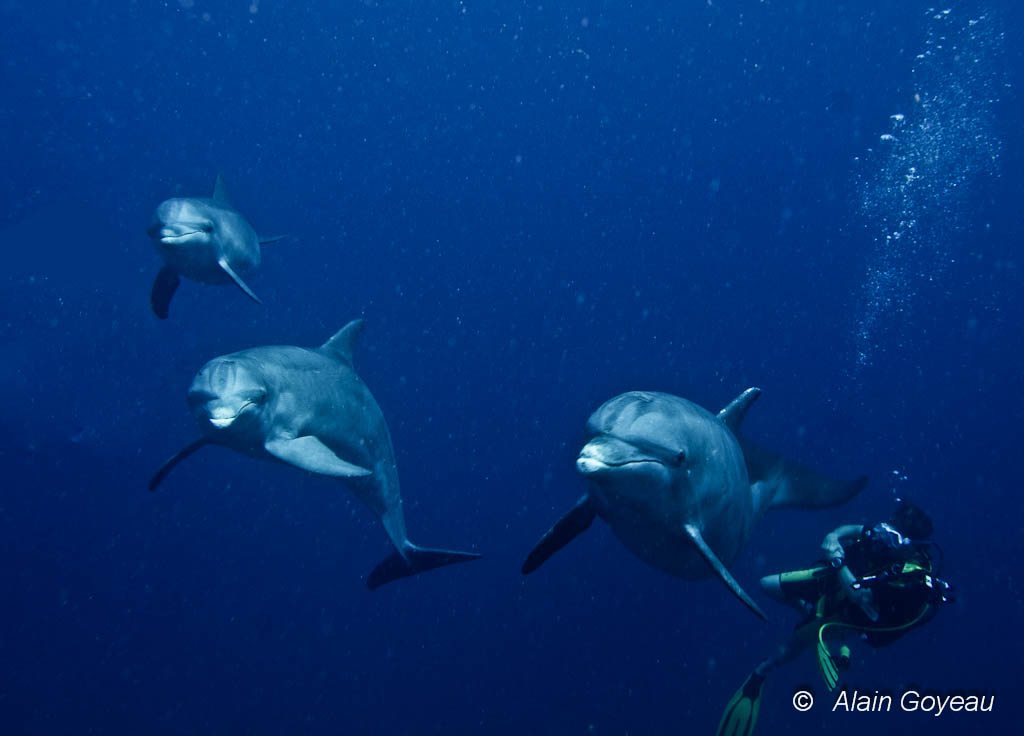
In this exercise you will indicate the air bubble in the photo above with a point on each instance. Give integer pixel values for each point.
(916, 199)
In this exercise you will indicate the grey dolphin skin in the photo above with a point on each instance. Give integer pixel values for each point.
(204, 239)
(306, 407)
(679, 488)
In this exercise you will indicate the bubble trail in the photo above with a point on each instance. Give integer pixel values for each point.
(914, 203)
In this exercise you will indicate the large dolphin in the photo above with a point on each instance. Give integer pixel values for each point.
(307, 407)
(679, 488)
(204, 239)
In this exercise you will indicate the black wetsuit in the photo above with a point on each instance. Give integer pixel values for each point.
(899, 592)
(895, 576)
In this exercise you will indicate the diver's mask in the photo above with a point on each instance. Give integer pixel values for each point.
(888, 536)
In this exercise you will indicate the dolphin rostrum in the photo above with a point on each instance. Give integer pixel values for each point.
(204, 239)
(306, 407)
(679, 488)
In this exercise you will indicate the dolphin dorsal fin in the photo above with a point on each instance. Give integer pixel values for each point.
(733, 414)
(344, 340)
(220, 192)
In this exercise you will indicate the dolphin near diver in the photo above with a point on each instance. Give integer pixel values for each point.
(203, 239)
(306, 407)
(679, 488)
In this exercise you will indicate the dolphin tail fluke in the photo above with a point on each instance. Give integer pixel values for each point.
(782, 483)
(716, 564)
(414, 561)
(164, 286)
(564, 531)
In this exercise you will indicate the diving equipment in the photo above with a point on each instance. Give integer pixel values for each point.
(740, 714)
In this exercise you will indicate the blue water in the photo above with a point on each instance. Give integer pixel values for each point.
(535, 206)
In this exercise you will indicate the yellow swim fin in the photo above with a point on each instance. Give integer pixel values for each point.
(826, 663)
(740, 715)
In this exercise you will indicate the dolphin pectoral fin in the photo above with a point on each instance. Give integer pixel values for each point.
(716, 564)
(564, 531)
(164, 286)
(733, 414)
(782, 483)
(311, 454)
(168, 466)
(272, 239)
(226, 267)
(414, 561)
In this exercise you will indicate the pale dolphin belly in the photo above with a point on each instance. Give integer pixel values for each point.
(661, 547)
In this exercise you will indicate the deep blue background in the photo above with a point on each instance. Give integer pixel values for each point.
(535, 206)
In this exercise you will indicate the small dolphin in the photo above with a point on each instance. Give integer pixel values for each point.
(678, 487)
(206, 240)
(306, 407)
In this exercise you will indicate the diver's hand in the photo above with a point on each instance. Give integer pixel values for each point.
(863, 598)
(857, 595)
(831, 546)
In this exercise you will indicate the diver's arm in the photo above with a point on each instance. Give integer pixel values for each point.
(832, 544)
(847, 579)
(856, 593)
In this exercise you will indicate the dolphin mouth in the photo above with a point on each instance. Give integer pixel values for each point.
(589, 465)
(172, 236)
(224, 421)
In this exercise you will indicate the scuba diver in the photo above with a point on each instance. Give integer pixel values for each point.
(878, 582)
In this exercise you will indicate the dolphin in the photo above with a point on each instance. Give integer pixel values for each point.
(679, 488)
(306, 407)
(204, 239)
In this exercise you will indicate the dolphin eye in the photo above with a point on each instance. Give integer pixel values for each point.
(679, 458)
(208, 227)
